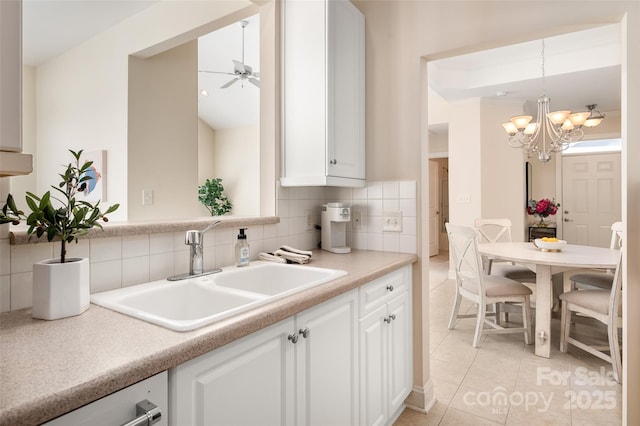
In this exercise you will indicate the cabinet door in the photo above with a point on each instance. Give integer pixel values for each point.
(399, 350)
(345, 81)
(373, 368)
(11, 76)
(248, 382)
(327, 376)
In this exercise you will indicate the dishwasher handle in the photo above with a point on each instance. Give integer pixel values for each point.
(148, 413)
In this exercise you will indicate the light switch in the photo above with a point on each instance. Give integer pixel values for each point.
(147, 197)
(464, 199)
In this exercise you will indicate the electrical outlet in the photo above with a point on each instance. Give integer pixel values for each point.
(356, 219)
(464, 199)
(147, 197)
(392, 222)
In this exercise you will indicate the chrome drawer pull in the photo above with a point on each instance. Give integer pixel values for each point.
(148, 414)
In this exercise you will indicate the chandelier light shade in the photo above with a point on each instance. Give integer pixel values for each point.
(551, 131)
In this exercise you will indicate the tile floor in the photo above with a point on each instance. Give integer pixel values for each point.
(503, 382)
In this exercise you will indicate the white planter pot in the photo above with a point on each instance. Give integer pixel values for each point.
(60, 289)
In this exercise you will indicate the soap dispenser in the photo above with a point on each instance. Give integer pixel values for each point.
(242, 249)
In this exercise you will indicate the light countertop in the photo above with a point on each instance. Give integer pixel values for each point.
(48, 368)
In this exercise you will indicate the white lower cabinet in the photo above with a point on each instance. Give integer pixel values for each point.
(300, 371)
(385, 347)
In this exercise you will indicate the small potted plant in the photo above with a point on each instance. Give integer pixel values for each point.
(210, 195)
(61, 286)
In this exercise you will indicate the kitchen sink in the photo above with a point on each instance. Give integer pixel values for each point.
(195, 302)
(273, 279)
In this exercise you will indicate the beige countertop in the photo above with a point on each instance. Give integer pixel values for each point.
(48, 368)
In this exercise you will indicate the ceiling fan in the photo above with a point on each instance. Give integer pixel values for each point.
(241, 71)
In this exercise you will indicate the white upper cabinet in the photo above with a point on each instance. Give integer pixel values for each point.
(12, 162)
(323, 102)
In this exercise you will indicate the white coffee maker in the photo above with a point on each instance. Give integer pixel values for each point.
(335, 217)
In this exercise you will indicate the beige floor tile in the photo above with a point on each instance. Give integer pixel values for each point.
(491, 403)
(413, 418)
(447, 371)
(521, 415)
(455, 417)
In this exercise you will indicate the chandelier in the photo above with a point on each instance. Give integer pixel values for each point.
(552, 131)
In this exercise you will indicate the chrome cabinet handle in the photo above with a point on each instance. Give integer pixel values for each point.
(293, 338)
(305, 332)
(390, 287)
(334, 162)
(390, 318)
(148, 414)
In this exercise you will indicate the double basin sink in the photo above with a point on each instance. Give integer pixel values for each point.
(195, 302)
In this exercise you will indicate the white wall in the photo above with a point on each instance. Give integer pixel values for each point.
(237, 162)
(206, 140)
(82, 94)
(162, 134)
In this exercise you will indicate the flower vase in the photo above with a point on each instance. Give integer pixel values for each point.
(542, 223)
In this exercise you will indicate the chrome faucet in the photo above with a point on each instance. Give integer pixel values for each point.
(194, 240)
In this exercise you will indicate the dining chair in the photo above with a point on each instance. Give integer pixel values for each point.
(602, 280)
(602, 305)
(499, 230)
(473, 284)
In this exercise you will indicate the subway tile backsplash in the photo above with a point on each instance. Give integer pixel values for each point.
(133, 259)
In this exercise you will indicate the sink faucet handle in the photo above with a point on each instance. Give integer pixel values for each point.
(193, 238)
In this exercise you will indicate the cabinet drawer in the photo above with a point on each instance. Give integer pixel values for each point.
(381, 290)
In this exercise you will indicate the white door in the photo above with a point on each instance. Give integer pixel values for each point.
(327, 359)
(434, 205)
(591, 198)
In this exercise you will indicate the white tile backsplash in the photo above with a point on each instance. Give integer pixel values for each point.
(129, 260)
(160, 266)
(21, 290)
(5, 293)
(135, 245)
(161, 243)
(106, 275)
(103, 249)
(135, 270)
(24, 256)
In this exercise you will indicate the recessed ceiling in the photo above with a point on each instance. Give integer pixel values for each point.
(580, 68)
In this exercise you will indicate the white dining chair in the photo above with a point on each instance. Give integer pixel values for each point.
(473, 284)
(604, 306)
(602, 280)
(499, 230)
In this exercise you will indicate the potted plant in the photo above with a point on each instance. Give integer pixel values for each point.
(61, 286)
(542, 208)
(210, 195)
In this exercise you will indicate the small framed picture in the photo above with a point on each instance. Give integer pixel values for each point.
(96, 186)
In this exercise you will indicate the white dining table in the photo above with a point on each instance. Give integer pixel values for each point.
(545, 264)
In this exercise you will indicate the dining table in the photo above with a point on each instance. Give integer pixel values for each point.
(545, 264)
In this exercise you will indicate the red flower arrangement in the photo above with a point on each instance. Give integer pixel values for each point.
(542, 208)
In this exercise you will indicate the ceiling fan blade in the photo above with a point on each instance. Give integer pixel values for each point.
(230, 83)
(255, 82)
(216, 72)
(256, 74)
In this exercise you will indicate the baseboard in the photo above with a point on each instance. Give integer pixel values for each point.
(421, 399)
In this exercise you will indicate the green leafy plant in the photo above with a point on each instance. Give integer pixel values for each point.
(67, 222)
(210, 195)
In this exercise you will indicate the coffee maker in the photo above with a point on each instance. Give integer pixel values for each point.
(334, 219)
